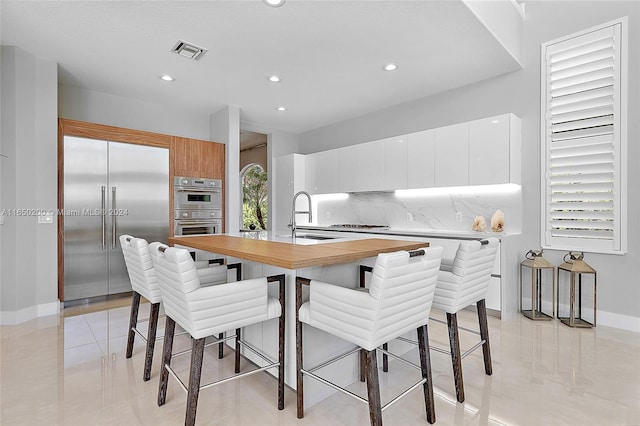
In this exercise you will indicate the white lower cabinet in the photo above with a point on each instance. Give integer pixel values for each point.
(492, 300)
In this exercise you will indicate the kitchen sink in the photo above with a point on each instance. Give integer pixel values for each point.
(316, 237)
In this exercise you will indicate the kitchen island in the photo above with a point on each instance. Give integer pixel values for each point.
(292, 254)
(331, 260)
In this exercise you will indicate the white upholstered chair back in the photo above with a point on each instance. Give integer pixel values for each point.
(205, 311)
(398, 301)
(140, 267)
(468, 279)
(404, 287)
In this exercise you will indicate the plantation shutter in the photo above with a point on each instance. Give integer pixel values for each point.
(581, 79)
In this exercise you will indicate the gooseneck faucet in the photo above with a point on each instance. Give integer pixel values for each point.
(294, 212)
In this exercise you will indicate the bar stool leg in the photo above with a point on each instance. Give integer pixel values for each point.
(456, 360)
(133, 322)
(373, 389)
(238, 337)
(281, 342)
(425, 364)
(169, 331)
(197, 353)
(484, 335)
(151, 340)
(385, 358)
(221, 346)
(299, 356)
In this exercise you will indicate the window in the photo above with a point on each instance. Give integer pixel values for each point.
(584, 141)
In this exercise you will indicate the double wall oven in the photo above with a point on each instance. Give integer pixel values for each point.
(197, 206)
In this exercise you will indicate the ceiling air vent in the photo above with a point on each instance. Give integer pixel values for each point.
(188, 50)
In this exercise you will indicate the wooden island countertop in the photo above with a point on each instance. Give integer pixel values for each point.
(295, 256)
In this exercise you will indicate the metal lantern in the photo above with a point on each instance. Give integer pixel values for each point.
(574, 270)
(542, 272)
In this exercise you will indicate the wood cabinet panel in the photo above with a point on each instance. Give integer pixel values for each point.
(214, 155)
(197, 158)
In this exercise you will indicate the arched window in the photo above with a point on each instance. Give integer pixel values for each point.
(254, 197)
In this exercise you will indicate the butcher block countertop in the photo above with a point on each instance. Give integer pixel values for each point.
(295, 256)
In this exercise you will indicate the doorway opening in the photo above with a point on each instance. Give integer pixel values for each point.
(254, 181)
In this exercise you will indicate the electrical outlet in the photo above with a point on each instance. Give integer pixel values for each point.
(409, 217)
(46, 218)
(458, 216)
(327, 215)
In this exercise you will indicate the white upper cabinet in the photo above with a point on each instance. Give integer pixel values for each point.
(395, 163)
(322, 172)
(452, 155)
(480, 152)
(370, 166)
(494, 150)
(347, 168)
(420, 160)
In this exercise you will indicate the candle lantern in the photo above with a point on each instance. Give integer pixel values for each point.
(541, 272)
(574, 271)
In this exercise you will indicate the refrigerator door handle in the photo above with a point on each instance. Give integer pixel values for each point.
(113, 217)
(104, 219)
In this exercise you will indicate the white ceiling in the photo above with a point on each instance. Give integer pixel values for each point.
(329, 54)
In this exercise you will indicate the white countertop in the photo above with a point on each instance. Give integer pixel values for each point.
(428, 233)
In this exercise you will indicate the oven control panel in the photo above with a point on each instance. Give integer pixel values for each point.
(194, 183)
(197, 214)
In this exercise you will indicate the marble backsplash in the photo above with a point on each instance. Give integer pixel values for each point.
(422, 212)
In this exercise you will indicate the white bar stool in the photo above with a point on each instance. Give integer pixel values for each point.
(398, 301)
(207, 311)
(464, 281)
(145, 284)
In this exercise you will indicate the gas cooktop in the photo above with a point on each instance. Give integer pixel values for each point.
(359, 226)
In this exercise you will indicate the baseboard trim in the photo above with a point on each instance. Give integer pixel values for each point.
(29, 313)
(624, 322)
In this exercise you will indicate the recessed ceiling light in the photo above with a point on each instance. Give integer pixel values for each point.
(167, 77)
(390, 67)
(274, 3)
(281, 108)
(274, 79)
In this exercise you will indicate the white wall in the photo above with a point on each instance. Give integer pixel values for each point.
(519, 92)
(28, 272)
(225, 128)
(96, 107)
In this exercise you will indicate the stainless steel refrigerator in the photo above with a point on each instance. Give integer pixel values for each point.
(110, 189)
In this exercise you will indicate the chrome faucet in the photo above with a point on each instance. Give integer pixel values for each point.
(294, 212)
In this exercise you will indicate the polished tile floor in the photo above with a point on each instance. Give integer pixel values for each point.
(71, 370)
